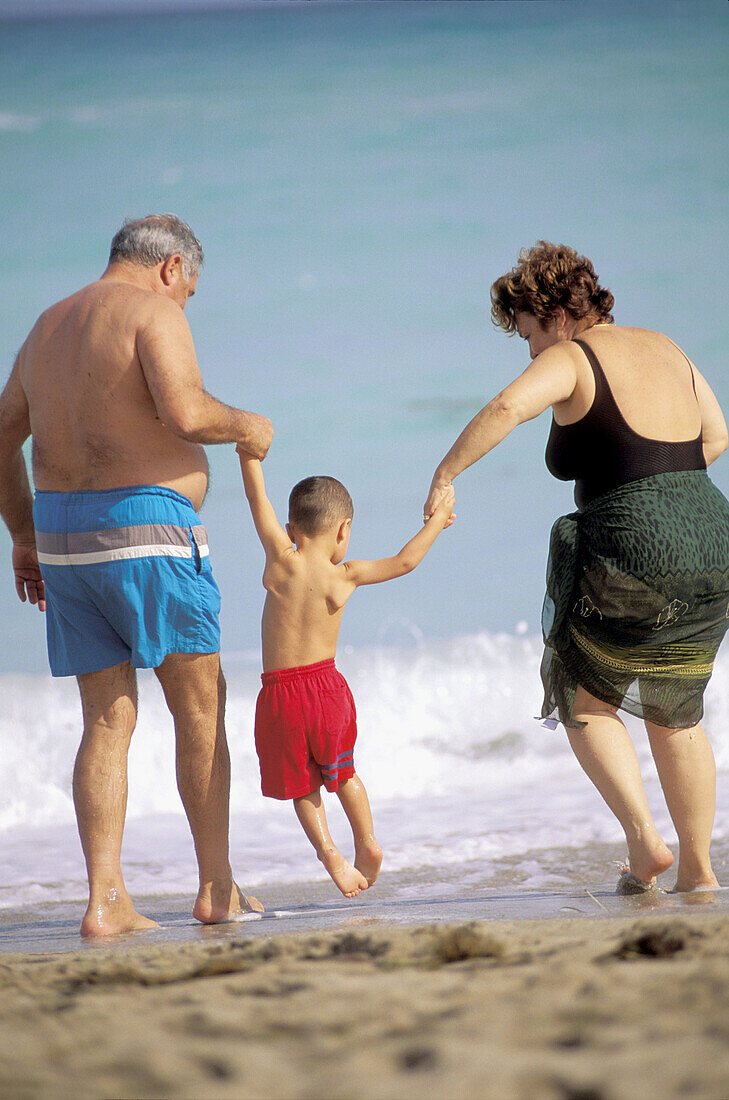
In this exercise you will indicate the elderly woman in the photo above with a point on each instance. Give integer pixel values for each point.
(638, 578)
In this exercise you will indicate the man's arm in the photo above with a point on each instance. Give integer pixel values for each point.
(167, 354)
(412, 553)
(274, 539)
(16, 500)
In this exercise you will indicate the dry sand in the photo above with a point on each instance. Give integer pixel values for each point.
(580, 1009)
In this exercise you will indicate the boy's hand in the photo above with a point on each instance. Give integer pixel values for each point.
(443, 510)
(441, 496)
(259, 437)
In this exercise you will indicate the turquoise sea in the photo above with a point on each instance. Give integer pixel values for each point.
(359, 174)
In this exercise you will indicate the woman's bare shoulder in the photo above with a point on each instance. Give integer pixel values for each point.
(641, 342)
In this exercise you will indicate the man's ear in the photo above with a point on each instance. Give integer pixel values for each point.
(290, 533)
(344, 528)
(171, 269)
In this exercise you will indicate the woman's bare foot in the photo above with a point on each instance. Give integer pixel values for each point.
(219, 904)
(368, 859)
(686, 884)
(646, 860)
(629, 884)
(349, 880)
(112, 914)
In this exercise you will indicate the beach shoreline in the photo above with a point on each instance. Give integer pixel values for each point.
(611, 999)
(573, 883)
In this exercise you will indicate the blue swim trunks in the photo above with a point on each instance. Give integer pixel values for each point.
(127, 576)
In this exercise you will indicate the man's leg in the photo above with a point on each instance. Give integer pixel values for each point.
(194, 688)
(607, 754)
(310, 812)
(356, 805)
(109, 702)
(687, 772)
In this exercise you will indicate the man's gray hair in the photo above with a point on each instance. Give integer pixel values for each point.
(150, 241)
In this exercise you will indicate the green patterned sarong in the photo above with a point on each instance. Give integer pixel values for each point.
(638, 599)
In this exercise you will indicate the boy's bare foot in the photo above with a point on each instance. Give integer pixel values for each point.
(349, 880)
(218, 904)
(367, 859)
(112, 914)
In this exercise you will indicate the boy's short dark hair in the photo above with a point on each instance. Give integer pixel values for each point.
(317, 503)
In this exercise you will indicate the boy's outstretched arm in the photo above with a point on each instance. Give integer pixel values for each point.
(272, 535)
(412, 553)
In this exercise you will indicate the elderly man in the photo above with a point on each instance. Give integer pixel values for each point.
(108, 385)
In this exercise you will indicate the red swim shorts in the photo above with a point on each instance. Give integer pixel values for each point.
(306, 727)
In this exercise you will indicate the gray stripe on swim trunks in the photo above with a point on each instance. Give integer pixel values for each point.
(114, 538)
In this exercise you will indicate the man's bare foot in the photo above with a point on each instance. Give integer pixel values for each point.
(349, 880)
(113, 914)
(367, 859)
(219, 904)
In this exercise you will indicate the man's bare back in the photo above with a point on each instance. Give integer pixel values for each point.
(93, 417)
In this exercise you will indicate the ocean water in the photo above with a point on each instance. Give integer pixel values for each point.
(468, 790)
(359, 173)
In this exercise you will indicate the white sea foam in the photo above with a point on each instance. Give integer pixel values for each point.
(458, 772)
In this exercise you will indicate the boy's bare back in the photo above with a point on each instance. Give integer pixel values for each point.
(308, 582)
(305, 598)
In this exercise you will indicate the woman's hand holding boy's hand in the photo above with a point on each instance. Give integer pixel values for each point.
(443, 510)
(441, 494)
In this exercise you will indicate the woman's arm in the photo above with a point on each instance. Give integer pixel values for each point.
(412, 553)
(549, 380)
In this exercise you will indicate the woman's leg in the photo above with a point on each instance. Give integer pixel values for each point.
(687, 772)
(606, 752)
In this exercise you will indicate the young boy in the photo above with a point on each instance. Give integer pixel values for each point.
(305, 717)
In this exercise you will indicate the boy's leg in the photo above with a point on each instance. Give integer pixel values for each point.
(310, 812)
(109, 702)
(356, 805)
(687, 772)
(194, 689)
(607, 754)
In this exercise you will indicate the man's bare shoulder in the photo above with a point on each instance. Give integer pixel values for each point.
(116, 299)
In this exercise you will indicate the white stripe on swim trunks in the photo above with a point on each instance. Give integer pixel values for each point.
(121, 553)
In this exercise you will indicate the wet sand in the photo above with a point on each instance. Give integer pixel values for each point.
(491, 995)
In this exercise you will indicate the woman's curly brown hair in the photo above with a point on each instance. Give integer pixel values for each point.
(547, 277)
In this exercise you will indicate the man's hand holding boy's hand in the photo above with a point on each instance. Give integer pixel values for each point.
(258, 438)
